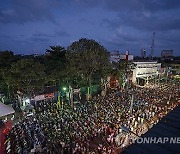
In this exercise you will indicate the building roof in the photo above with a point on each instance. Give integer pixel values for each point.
(169, 126)
(145, 62)
(5, 110)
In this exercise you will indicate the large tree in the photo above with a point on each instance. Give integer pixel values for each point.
(27, 74)
(86, 57)
(6, 59)
(55, 63)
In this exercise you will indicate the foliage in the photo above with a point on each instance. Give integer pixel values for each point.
(6, 59)
(85, 61)
(55, 63)
(86, 57)
(27, 74)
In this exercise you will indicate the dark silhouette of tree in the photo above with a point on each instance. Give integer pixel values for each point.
(85, 58)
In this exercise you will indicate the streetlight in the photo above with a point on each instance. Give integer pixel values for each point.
(64, 88)
(60, 92)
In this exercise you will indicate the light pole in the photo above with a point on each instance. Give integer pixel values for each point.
(60, 102)
(63, 91)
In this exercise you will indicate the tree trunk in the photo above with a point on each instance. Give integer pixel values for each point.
(9, 95)
(58, 96)
(88, 96)
(104, 87)
(71, 96)
(19, 98)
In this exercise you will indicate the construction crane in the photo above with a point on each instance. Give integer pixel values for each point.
(152, 47)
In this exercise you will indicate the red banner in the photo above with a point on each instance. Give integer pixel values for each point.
(50, 95)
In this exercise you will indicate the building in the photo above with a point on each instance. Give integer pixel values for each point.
(145, 71)
(123, 57)
(167, 54)
(143, 53)
(116, 56)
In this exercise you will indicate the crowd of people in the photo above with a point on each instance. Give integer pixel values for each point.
(94, 126)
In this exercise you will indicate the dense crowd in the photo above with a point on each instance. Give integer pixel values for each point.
(94, 126)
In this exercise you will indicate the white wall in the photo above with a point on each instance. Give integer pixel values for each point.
(145, 69)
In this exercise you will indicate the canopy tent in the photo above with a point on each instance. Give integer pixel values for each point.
(5, 110)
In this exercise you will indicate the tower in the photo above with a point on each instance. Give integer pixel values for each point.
(152, 47)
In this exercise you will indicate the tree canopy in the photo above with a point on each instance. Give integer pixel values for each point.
(86, 58)
(55, 63)
(83, 62)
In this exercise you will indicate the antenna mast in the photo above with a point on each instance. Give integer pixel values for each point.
(152, 47)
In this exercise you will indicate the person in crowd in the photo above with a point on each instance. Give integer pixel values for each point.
(93, 126)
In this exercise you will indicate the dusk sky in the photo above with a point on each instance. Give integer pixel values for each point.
(31, 26)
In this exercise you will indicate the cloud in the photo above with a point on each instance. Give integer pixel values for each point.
(43, 37)
(62, 34)
(147, 15)
(22, 11)
(117, 24)
(146, 19)
(86, 3)
(50, 35)
(128, 38)
(131, 5)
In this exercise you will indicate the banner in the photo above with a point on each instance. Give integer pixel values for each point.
(50, 95)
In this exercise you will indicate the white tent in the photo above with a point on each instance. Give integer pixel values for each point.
(5, 110)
